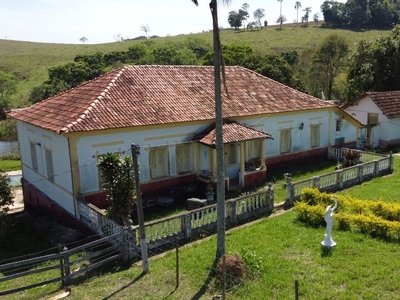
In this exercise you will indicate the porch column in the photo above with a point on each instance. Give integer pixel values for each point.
(242, 144)
(262, 154)
(242, 167)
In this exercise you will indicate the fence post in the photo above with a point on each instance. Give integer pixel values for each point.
(391, 161)
(340, 172)
(360, 173)
(289, 190)
(270, 197)
(232, 213)
(61, 263)
(67, 270)
(316, 182)
(296, 289)
(376, 166)
(188, 226)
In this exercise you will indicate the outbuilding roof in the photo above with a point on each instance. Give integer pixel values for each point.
(387, 102)
(151, 95)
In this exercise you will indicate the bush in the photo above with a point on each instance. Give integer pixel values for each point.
(252, 262)
(312, 215)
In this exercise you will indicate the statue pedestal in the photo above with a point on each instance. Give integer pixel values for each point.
(328, 242)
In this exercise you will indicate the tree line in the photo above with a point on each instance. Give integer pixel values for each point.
(361, 13)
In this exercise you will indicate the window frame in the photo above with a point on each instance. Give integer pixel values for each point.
(183, 167)
(288, 133)
(338, 125)
(231, 153)
(34, 158)
(315, 135)
(48, 154)
(153, 159)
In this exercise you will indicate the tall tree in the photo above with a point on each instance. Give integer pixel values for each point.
(146, 29)
(315, 18)
(307, 11)
(83, 39)
(244, 14)
(374, 66)
(6, 200)
(297, 5)
(117, 176)
(258, 14)
(329, 58)
(281, 18)
(8, 86)
(235, 19)
(218, 130)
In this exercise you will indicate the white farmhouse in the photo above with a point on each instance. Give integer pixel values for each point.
(169, 112)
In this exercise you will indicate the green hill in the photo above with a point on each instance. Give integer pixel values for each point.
(29, 61)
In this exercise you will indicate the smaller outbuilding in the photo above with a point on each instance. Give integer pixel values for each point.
(379, 112)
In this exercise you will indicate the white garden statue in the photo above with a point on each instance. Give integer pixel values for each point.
(328, 241)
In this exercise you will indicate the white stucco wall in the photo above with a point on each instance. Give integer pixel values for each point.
(89, 147)
(61, 189)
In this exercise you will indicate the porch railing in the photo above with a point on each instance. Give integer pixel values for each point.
(187, 225)
(373, 165)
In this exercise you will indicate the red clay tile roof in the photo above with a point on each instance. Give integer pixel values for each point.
(149, 95)
(232, 132)
(388, 102)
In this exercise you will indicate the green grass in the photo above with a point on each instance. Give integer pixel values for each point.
(29, 61)
(10, 165)
(359, 267)
(385, 188)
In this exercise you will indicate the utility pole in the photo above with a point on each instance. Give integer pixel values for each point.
(219, 134)
(143, 245)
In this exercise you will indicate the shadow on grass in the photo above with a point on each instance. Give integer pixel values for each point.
(124, 287)
(206, 283)
(326, 251)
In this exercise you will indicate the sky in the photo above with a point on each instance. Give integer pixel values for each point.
(102, 21)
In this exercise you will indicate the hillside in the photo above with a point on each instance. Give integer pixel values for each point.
(30, 61)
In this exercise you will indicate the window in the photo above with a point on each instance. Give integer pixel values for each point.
(372, 119)
(49, 164)
(253, 149)
(315, 135)
(285, 141)
(158, 162)
(230, 152)
(338, 124)
(183, 158)
(33, 156)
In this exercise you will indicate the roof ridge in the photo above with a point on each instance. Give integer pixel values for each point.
(96, 100)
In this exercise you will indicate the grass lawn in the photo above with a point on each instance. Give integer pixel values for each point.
(359, 267)
(10, 165)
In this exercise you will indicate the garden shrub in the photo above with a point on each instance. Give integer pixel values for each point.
(375, 218)
(312, 215)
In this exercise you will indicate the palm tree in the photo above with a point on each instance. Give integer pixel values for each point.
(297, 6)
(218, 129)
(280, 14)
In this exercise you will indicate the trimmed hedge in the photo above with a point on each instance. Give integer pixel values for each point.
(374, 218)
